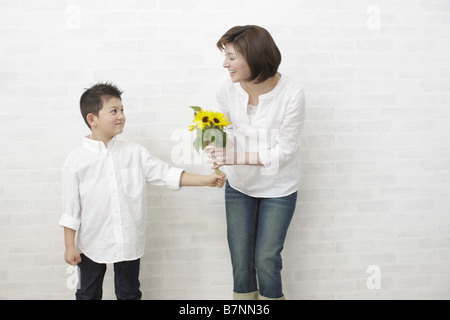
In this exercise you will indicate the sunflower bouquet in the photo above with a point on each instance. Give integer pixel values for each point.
(209, 129)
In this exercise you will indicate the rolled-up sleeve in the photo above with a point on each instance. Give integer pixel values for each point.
(71, 200)
(288, 139)
(158, 172)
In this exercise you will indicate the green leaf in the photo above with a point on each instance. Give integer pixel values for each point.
(197, 144)
(196, 109)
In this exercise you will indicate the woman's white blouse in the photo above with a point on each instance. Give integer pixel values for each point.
(274, 133)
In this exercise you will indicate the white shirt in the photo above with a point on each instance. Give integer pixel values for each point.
(105, 199)
(274, 133)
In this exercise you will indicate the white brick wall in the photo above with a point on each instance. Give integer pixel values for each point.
(375, 156)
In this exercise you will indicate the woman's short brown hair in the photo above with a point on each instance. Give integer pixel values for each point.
(258, 48)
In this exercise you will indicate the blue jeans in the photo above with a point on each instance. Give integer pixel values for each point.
(126, 279)
(256, 230)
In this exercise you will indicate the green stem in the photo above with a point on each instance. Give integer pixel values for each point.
(217, 169)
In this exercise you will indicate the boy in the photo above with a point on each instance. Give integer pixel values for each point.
(104, 197)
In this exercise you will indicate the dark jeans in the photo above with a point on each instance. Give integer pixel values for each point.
(256, 229)
(91, 274)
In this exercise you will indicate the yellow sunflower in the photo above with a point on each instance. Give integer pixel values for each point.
(219, 119)
(203, 119)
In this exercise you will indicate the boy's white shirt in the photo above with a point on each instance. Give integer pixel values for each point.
(105, 199)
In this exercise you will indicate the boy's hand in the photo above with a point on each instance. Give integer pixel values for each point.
(216, 180)
(72, 256)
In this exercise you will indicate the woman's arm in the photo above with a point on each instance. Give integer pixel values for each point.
(228, 156)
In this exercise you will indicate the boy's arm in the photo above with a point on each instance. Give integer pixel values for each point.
(71, 255)
(212, 180)
(70, 218)
(158, 172)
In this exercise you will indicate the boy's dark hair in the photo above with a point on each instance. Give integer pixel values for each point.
(92, 99)
(258, 48)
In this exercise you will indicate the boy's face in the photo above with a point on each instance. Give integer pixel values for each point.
(111, 118)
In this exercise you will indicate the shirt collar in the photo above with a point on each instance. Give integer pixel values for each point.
(264, 96)
(95, 145)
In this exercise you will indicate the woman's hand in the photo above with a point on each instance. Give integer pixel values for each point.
(227, 156)
(221, 156)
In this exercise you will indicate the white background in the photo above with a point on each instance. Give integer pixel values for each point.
(375, 161)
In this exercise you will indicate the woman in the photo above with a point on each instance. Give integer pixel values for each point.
(266, 111)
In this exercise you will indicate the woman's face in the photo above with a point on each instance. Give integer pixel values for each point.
(236, 64)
